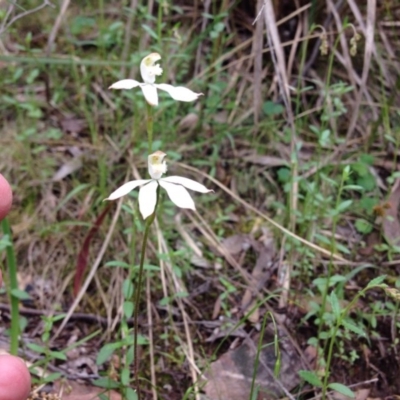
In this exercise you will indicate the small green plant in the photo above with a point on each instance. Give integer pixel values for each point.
(44, 351)
(338, 324)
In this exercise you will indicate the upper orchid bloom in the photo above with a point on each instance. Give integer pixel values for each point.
(149, 70)
(174, 185)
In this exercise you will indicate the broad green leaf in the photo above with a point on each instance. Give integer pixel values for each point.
(52, 377)
(127, 289)
(363, 226)
(342, 389)
(58, 355)
(107, 351)
(376, 281)
(334, 304)
(125, 376)
(311, 378)
(354, 328)
(150, 31)
(344, 205)
(131, 394)
(36, 347)
(106, 383)
(128, 308)
(20, 294)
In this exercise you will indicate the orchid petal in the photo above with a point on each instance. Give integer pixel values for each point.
(125, 84)
(178, 195)
(150, 93)
(188, 183)
(179, 93)
(148, 199)
(126, 188)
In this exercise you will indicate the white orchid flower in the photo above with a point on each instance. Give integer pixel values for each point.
(149, 70)
(174, 185)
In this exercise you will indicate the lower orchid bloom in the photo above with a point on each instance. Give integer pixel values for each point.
(149, 70)
(175, 187)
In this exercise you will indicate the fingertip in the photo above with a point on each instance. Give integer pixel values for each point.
(15, 379)
(5, 197)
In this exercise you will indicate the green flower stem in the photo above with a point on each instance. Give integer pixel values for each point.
(13, 285)
(335, 222)
(150, 123)
(148, 223)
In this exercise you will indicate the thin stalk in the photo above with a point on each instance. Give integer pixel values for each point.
(339, 323)
(148, 223)
(335, 222)
(159, 23)
(13, 285)
(150, 124)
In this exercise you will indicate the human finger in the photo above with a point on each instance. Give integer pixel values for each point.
(5, 197)
(15, 380)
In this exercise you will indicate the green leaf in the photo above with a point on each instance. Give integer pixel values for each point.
(367, 159)
(58, 355)
(55, 318)
(150, 31)
(106, 383)
(131, 394)
(270, 108)
(353, 187)
(342, 389)
(344, 205)
(125, 376)
(149, 267)
(283, 175)
(311, 378)
(343, 249)
(376, 281)
(106, 352)
(335, 304)
(128, 308)
(127, 288)
(116, 263)
(20, 294)
(181, 295)
(324, 139)
(52, 377)
(354, 328)
(36, 348)
(363, 226)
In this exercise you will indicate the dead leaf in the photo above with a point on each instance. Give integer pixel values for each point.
(236, 244)
(75, 391)
(83, 255)
(224, 327)
(305, 303)
(231, 376)
(390, 221)
(361, 394)
(267, 161)
(73, 124)
(68, 168)
(371, 241)
(261, 273)
(188, 122)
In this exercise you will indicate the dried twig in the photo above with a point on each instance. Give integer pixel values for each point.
(5, 25)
